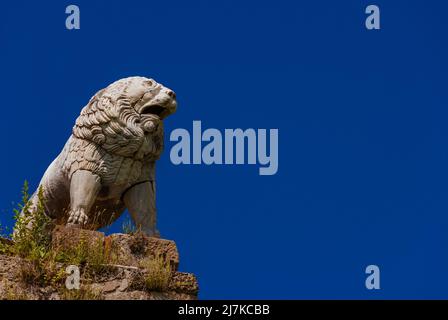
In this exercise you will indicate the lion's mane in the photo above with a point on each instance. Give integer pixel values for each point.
(110, 138)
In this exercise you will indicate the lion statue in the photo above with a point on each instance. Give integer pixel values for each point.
(108, 162)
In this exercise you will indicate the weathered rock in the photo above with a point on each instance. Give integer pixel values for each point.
(8, 267)
(69, 237)
(184, 283)
(122, 249)
(124, 278)
(111, 286)
(130, 250)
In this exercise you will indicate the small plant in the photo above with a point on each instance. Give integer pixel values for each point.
(12, 292)
(30, 272)
(31, 234)
(4, 241)
(84, 293)
(93, 257)
(138, 243)
(58, 277)
(2, 231)
(41, 272)
(128, 227)
(158, 273)
(5, 246)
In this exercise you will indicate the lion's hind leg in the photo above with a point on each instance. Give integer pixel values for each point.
(140, 200)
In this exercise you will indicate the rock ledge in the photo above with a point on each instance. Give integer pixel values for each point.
(131, 267)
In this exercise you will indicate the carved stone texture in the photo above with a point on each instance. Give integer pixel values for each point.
(108, 162)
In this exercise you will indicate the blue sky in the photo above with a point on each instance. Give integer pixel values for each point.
(361, 116)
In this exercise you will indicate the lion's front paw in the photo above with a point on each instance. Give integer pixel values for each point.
(78, 217)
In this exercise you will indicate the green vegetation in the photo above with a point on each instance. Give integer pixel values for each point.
(84, 293)
(44, 264)
(32, 229)
(44, 261)
(91, 257)
(3, 231)
(12, 292)
(128, 227)
(158, 273)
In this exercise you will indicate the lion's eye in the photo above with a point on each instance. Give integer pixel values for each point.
(155, 109)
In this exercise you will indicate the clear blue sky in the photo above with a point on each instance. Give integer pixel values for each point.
(363, 159)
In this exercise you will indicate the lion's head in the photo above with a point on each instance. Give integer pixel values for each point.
(126, 117)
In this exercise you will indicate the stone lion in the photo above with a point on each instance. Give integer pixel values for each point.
(108, 163)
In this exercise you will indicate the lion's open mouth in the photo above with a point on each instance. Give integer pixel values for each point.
(154, 109)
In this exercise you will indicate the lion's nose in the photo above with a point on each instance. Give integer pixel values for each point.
(171, 94)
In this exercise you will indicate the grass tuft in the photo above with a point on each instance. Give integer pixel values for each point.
(158, 273)
(84, 293)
